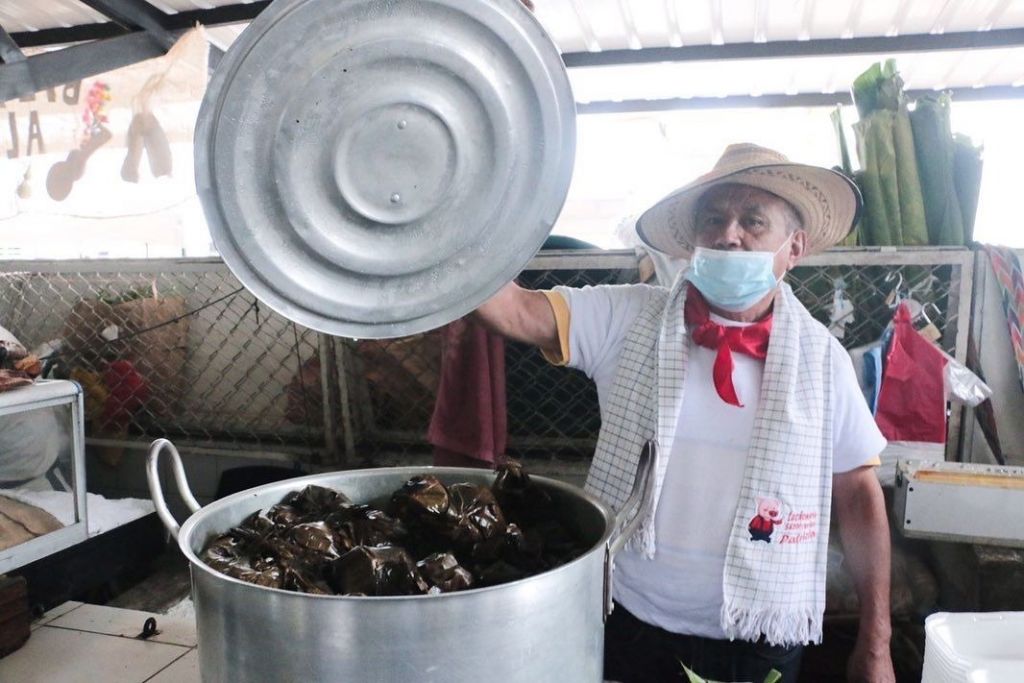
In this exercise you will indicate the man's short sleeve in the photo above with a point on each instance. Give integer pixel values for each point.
(856, 439)
(560, 307)
(598, 320)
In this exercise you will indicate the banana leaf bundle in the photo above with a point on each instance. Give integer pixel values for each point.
(894, 207)
(846, 167)
(967, 166)
(933, 140)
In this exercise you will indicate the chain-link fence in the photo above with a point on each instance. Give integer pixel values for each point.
(170, 348)
(179, 349)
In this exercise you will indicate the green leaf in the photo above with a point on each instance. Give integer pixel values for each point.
(773, 676)
(692, 677)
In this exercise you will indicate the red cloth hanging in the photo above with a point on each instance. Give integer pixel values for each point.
(912, 400)
(469, 427)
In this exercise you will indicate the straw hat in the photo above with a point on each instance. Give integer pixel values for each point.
(827, 201)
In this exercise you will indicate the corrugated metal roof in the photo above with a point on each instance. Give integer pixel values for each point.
(601, 25)
(22, 15)
(34, 15)
(171, 6)
(826, 74)
(578, 25)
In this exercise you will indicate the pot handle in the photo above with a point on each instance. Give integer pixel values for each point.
(156, 491)
(643, 485)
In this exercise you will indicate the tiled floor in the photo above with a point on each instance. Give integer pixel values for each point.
(78, 642)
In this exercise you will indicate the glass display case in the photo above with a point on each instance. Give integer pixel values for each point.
(42, 472)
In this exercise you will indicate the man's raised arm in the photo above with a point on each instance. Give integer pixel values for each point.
(521, 314)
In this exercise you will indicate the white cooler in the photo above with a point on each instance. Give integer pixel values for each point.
(974, 647)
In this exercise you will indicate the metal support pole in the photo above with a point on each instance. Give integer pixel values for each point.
(135, 14)
(960, 300)
(330, 423)
(9, 50)
(344, 395)
(50, 69)
(966, 446)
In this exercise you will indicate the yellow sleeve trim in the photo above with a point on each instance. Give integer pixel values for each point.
(873, 462)
(560, 307)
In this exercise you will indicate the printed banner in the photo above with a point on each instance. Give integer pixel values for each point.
(50, 141)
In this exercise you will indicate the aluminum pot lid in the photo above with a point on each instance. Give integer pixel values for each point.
(378, 168)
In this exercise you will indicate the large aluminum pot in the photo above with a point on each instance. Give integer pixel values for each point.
(548, 627)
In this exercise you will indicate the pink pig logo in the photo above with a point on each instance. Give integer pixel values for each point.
(769, 515)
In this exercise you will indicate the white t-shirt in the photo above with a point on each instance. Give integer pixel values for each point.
(680, 590)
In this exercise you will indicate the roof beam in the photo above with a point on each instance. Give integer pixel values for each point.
(180, 21)
(9, 50)
(970, 40)
(991, 92)
(50, 69)
(68, 34)
(134, 15)
(225, 14)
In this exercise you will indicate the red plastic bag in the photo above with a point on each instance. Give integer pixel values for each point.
(912, 401)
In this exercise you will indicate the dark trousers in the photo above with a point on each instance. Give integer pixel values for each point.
(637, 652)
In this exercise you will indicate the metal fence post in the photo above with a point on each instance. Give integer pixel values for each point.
(345, 399)
(330, 423)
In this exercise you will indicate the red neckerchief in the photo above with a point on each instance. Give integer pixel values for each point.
(750, 339)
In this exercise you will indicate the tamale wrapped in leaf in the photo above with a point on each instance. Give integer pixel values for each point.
(304, 578)
(365, 525)
(473, 514)
(284, 514)
(317, 541)
(317, 501)
(519, 498)
(423, 499)
(385, 570)
(443, 571)
(316, 537)
(500, 572)
(223, 551)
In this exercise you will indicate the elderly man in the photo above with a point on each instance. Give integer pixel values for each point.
(762, 430)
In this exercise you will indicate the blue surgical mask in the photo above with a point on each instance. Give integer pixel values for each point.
(733, 280)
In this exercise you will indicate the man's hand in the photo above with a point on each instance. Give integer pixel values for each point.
(864, 530)
(870, 665)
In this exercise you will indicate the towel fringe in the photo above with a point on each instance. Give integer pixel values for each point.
(785, 627)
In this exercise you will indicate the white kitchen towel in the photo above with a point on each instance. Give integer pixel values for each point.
(774, 578)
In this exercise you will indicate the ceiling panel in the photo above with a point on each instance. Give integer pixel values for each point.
(595, 25)
(954, 69)
(26, 15)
